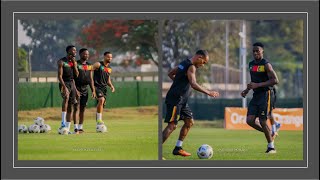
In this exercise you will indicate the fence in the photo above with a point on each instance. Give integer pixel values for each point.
(51, 76)
(128, 94)
(213, 109)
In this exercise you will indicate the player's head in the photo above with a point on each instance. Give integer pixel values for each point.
(107, 56)
(200, 58)
(84, 54)
(71, 50)
(257, 50)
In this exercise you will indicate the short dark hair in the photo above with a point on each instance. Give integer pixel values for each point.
(69, 47)
(258, 44)
(202, 52)
(107, 52)
(81, 50)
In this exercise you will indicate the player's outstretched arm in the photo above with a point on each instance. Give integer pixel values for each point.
(173, 73)
(193, 83)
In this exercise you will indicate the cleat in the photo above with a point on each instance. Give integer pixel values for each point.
(99, 122)
(76, 131)
(179, 151)
(271, 150)
(80, 131)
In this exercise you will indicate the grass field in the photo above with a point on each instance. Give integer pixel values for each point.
(234, 144)
(132, 135)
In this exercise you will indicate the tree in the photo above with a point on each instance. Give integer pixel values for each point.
(138, 36)
(49, 39)
(22, 60)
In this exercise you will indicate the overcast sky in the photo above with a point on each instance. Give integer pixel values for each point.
(22, 37)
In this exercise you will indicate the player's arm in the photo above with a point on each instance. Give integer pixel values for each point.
(173, 73)
(109, 83)
(96, 66)
(246, 91)
(193, 83)
(75, 67)
(64, 89)
(273, 79)
(92, 85)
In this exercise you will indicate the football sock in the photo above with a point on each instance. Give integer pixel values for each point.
(270, 145)
(68, 125)
(63, 117)
(274, 128)
(99, 116)
(76, 126)
(179, 143)
(80, 126)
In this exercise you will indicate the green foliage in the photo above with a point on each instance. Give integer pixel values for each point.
(49, 40)
(121, 36)
(22, 60)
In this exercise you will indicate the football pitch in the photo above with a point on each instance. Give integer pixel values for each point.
(132, 135)
(234, 144)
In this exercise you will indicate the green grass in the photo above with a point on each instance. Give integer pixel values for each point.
(234, 144)
(132, 135)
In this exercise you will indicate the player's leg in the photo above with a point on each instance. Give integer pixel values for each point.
(65, 99)
(83, 104)
(171, 120)
(264, 110)
(100, 105)
(75, 117)
(275, 126)
(252, 114)
(186, 116)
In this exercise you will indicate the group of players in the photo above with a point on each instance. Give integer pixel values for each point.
(263, 79)
(74, 77)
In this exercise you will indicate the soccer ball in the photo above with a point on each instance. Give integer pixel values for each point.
(22, 129)
(101, 128)
(39, 121)
(205, 152)
(63, 131)
(43, 128)
(47, 127)
(34, 128)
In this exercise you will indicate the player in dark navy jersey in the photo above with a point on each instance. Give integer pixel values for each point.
(84, 79)
(184, 78)
(67, 70)
(102, 81)
(263, 79)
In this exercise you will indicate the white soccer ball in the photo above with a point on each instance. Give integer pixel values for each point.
(39, 121)
(43, 129)
(34, 128)
(101, 128)
(22, 129)
(47, 127)
(205, 152)
(63, 131)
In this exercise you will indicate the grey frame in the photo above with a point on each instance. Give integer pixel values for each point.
(162, 169)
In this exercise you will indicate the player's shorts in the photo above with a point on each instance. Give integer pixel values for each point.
(178, 112)
(101, 92)
(83, 89)
(72, 92)
(261, 104)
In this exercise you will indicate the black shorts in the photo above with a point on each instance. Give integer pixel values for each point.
(101, 92)
(83, 89)
(178, 112)
(72, 91)
(261, 104)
